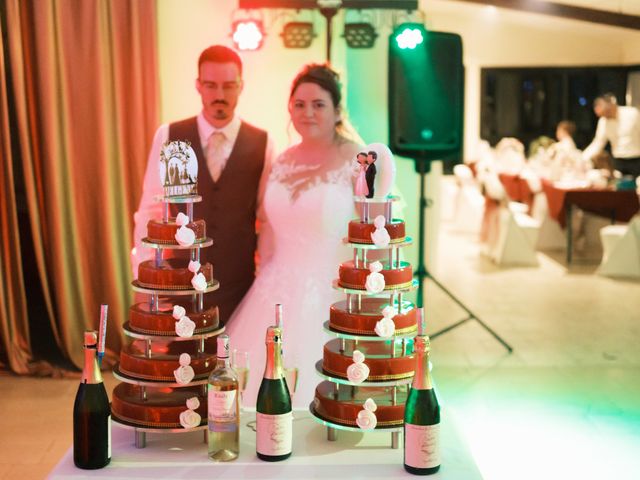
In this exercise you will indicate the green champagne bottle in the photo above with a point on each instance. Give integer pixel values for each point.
(274, 418)
(422, 413)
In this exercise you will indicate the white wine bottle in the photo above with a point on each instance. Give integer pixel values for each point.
(274, 418)
(223, 407)
(422, 413)
(91, 413)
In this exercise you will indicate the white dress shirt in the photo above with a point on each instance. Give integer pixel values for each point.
(623, 132)
(149, 208)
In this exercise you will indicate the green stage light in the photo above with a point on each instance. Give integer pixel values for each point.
(409, 36)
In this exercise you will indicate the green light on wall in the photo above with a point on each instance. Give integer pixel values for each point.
(409, 37)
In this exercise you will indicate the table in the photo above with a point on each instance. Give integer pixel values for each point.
(354, 456)
(619, 205)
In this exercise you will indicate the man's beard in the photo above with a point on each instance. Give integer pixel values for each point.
(220, 114)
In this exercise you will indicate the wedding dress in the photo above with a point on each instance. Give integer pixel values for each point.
(307, 219)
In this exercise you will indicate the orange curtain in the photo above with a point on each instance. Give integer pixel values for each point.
(80, 106)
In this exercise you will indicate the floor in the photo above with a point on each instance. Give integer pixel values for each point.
(565, 404)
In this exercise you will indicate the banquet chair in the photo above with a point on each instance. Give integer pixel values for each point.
(515, 241)
(468, 202)
(621, 250)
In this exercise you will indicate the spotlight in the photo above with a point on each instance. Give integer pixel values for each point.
(247, 34)
(409, 36)
(297, 34)
(359, 35)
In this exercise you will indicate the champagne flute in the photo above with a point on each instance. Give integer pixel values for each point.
(240, 363)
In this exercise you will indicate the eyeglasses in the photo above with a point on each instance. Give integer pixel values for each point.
(227, 87)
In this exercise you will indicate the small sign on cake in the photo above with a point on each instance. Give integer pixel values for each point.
(178, 169)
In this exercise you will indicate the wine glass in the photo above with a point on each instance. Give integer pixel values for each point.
(240, 364)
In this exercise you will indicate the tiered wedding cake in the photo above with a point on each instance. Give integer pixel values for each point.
(368, 367)
(164, 369)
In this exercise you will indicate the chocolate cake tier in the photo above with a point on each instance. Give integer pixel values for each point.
(360, 232)
(161, 232)
(363, 322)
(343, 405)
(378, 357)
(164, 359)
(142, 320)
(172, 274)
(355, 278)
(161, 408)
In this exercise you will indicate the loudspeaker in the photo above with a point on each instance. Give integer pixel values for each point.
(426, 94)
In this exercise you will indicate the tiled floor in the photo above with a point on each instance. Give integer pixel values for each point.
(564, 405)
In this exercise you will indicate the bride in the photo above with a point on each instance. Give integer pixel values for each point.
(308, 203)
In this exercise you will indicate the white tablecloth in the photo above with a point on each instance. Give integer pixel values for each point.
(354, 455)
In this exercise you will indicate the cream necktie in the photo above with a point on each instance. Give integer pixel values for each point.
(215, 159)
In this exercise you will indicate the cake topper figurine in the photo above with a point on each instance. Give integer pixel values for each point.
(370, 173)
(178, 169)
(360, 188)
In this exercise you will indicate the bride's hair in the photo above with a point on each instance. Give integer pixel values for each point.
(329, 80)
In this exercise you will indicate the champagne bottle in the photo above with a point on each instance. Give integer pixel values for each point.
(274, 418)
(422, 413)
(91, 413)
(223, 407)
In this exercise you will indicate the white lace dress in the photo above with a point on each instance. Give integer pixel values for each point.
(308, 221)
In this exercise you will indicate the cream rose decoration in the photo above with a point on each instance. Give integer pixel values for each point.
(199, 282)
(185, 327)
(182, 219)
(380, 236)
(190, 419)
(386, 327)
(194, 266)
(375, 281)
(178, 312)
(185, 236)
(193, 403)
(358, 371)
(184, 373)
(366, 419)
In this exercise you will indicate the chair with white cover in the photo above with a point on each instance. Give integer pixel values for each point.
(515, 241)
(468, 203)
(621, 250)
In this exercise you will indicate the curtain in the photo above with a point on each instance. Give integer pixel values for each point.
(79, 109)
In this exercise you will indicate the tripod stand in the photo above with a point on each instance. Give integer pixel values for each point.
(423, 167)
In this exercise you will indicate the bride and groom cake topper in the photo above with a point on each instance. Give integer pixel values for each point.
(375, 171)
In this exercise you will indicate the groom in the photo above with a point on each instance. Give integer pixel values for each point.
(231, 163)
(370, 173)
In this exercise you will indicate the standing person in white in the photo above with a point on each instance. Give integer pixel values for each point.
(620, 126)
(308, 203)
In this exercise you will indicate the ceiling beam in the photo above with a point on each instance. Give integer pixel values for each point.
(585, 14)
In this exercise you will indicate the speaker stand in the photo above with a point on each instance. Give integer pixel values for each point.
(422, 167)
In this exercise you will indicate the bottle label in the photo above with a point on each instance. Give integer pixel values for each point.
(422, 445)
(222, 405)
(274, 433)
(109, 436)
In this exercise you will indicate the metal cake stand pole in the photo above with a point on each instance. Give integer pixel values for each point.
(190, 211)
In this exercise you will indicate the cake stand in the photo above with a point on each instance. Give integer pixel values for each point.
(154, 295)
(353, 305)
